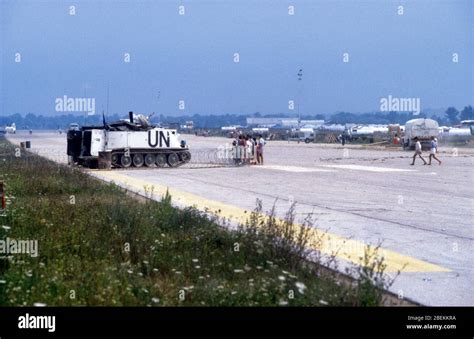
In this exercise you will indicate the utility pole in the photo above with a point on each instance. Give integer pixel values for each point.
(300, 77)
(107, 98)
(85, 110)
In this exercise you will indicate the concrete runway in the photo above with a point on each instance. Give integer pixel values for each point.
(423, 215)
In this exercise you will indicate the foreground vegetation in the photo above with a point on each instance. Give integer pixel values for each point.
(99, 246)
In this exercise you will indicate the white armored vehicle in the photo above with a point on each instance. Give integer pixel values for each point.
(134, 143)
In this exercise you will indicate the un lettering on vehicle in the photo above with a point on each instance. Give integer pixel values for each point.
(160, 139)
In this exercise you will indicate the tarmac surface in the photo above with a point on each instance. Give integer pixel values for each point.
(422, 215)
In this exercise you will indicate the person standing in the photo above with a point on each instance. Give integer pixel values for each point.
(253, 150)
(418, 152)
(248, 149)
(242, 146)
(434, 150)
(260, 144)
(235, 150)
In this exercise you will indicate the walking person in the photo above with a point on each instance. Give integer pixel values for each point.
(434, 150)
(418, 152)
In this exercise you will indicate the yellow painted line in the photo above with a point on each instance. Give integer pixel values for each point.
(327, 243)
(293, 169)
(370, 168)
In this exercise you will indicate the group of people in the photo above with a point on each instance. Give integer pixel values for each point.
(433, 151)
(248, 149)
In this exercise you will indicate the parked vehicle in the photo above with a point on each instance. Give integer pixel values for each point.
(134, 143)
(424, 129)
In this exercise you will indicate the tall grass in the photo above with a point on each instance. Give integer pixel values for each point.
(99, 246)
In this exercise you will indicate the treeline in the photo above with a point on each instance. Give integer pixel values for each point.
(32, 121)
(206, 121)
(451, 117)
(381, 118)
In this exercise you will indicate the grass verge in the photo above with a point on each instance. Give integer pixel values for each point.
(97, 246)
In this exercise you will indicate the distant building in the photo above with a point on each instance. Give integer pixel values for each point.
(263, 121)
(312, 123)
(189, 125)
(231, 128)
(282, 122)
(467, 122)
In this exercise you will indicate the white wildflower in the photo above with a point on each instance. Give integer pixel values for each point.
(300, 285)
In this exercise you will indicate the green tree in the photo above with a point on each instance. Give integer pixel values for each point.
(452, 114)
(467, 113)
(319, 117)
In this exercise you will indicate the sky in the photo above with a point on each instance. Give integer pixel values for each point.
(190, 59)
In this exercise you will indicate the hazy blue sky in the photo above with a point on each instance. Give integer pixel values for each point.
(191, 57)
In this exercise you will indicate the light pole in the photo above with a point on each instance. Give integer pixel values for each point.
(300, 77)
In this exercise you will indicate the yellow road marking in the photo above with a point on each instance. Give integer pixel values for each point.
(370, 168)
(294, 169)
(328, 243)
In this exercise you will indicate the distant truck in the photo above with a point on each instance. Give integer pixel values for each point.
(423, 129)
(366, 132)
(10, 129)
(455, 134)
(302, 135)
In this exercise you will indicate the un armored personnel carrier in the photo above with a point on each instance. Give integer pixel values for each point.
(132, 143)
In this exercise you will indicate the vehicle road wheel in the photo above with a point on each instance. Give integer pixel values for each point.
(149, 160)
(307, 141)
(138, 160)
(160, 160)
(185, 156)
(116, 160)
(173, 159)
(125, 161)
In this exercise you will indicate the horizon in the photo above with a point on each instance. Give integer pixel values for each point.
(41, 122)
